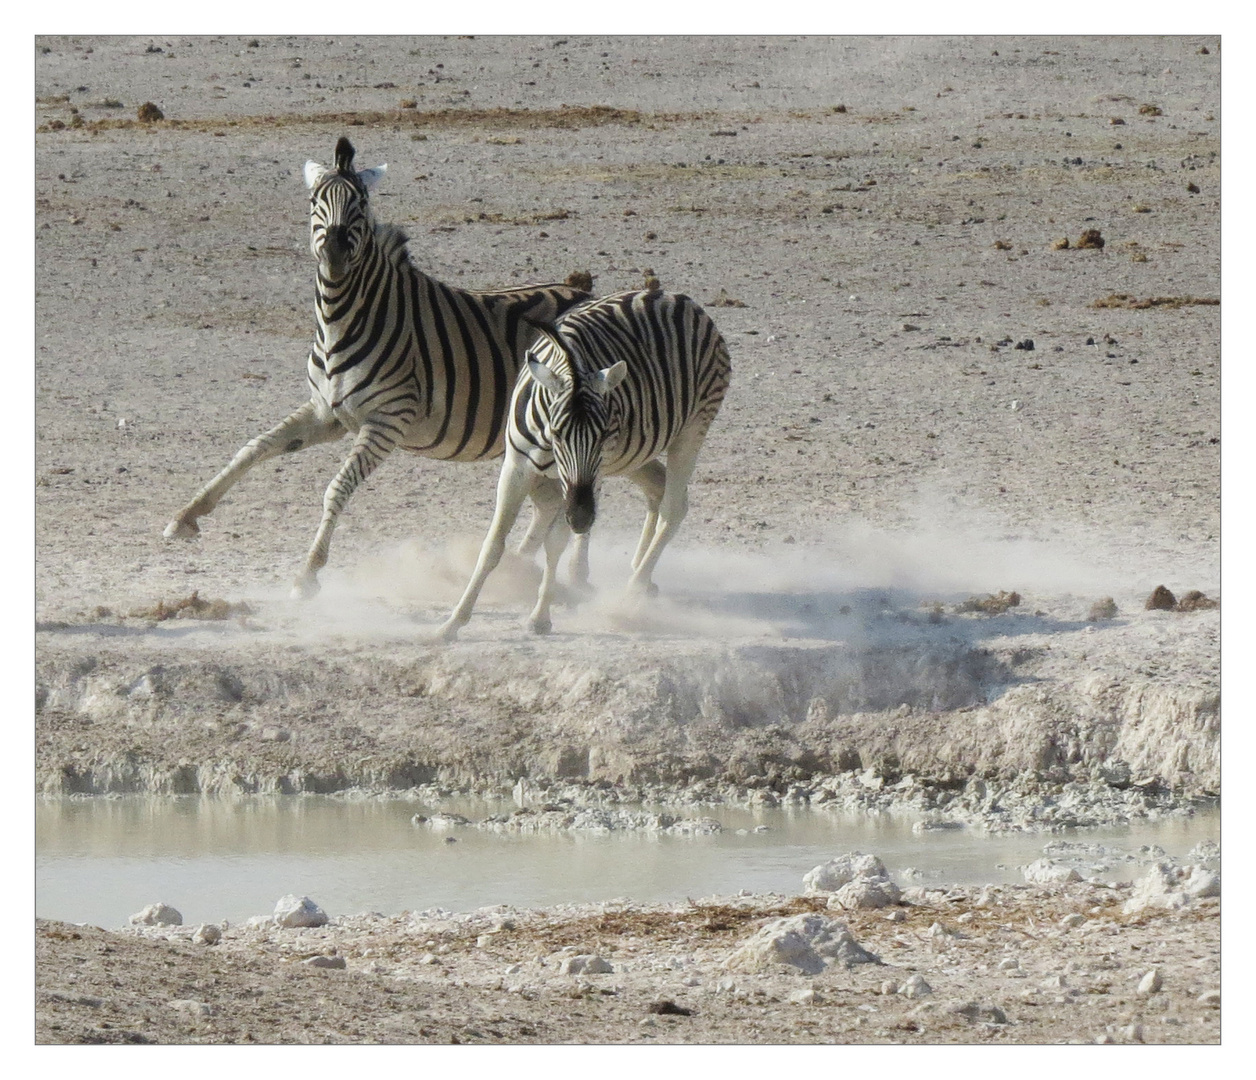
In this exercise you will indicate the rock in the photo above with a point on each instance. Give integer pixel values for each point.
(1150, 983)
(832, 875)
(806, 996)
(583, 964)
(915, 987)
(806, 943)
(157, 915)
(668, 1008)
(1009, 963)
(1211, 998)
(1167, 885)
(335, 962)
(197, 1010)
(294, 910)
(865, 893)
(1073, 921)
(207, 934)
(973, 1011)
(1049, 872)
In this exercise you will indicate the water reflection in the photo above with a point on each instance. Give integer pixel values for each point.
(100, 860)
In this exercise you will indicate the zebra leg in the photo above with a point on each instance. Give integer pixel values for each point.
(651, 478)
(372, 445)
(548, 500)
(303, 428)
(578, 566)
(513, 486)
(682, 456)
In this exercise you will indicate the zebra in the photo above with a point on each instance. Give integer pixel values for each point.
(399, 359)
(609, 387)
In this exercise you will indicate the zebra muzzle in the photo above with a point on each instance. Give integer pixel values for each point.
(581, 509)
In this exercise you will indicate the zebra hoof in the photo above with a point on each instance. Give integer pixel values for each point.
(180, 529)
(540, 626)
(305, 587)
(447, 634)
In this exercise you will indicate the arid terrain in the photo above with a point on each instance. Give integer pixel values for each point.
(971, 289)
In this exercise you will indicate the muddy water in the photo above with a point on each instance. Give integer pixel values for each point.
(99, 861)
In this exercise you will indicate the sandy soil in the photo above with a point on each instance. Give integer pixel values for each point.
(875, 225)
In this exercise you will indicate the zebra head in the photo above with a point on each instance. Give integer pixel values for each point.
(575, 397)
(340, 220)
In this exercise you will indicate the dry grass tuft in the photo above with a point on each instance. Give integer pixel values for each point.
(148, 113)
(1161, 599)
(192, 607)
(580, 279)
(1197, 601)
(1091, 238)
(724, 300)
(990, 605)
(1102, 609)
(1124, 300)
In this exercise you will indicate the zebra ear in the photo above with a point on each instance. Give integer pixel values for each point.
(611, 377)
(313, 173)
(543, 376)
(371, 177)
(344, 154)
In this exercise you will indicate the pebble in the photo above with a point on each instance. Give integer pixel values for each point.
(196, 1009)
(804, 997)
(293, 910)
(157, 915)
(897, 915)
(325, 962)
(1211, 998)
(1151, 982)
(1071, 922)
(1009, 964)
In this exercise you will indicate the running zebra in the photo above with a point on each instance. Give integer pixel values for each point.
(609, 387)
(399, 359)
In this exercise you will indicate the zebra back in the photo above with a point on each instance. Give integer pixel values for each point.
(677, 373)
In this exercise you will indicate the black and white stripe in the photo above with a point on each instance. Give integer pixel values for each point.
(610, 387)
(400, 360)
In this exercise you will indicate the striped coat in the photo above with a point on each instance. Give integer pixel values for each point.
(611, 387)
(399, 360)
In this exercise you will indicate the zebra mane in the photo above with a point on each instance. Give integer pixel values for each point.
(395, 241)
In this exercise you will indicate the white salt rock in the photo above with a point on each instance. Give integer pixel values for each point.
(865, 893)
(1151, 982)
(207, 934)
(584, 964)
(1049, 872)
(805, 943)
(915, 987)
(157, 915)
(292, 910)
(832, 875)
(1167, 885)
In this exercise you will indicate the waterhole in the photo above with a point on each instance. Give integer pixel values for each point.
(100, 860)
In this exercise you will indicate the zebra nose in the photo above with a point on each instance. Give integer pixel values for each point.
(581, 509)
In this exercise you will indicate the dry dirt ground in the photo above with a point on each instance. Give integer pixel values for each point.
(933, 399)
